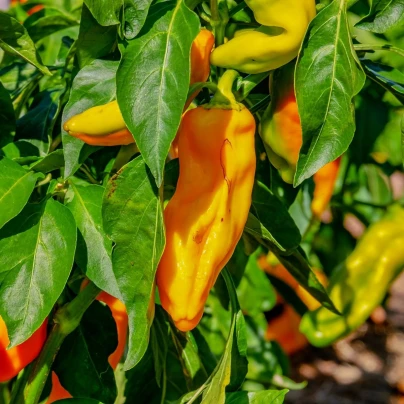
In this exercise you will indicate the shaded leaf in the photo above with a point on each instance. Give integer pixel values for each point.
(135, 16)
(157, 60)
(86, 350)
(106, 12)
(133, 219)
(7, 117)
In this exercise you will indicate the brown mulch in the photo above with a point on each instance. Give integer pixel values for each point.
(365, 368)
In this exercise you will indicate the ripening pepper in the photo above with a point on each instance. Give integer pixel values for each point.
(13, 360)
(359, 285)
(205, 218)
(104, 125)
(284, 329)
(324, 182)
(118, 311)
(273, 267)
(276, 42)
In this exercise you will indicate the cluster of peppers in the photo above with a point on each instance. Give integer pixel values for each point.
(205, 218)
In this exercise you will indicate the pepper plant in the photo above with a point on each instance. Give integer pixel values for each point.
(106, 295)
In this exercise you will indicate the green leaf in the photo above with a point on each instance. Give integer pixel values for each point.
(16, 186)
(50, 162)
(383, 15)
(36, 126)
(94, 85)
(327, 77)
(86, 350)
(274, 216)
(255, 283)
(93, 254)
(388, 77)
(46, 22)
(89, 45)
(15, 40)
(258, 397)
(135, 16)
(158, 60)
(133, 219)
(106, 12)
(78, 401)
(40, 244)
(7, 117)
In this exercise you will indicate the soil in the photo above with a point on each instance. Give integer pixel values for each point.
(364, 368)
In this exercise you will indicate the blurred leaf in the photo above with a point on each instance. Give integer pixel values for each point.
(89, 45)
(159, 345)
(135, 16)
(40, 244)
(37, 124)
(15, 40)
(388, 77)
(17, 75)
(139, 244)
(300, 269)
(259, 397)
(106, 12)
(7, 117)
(78, 401)
(93, 253)
(273, 215)
(16, 186)
(94, 85)
(255, 283)
(327, 77)
(383, 15)
(86, 350)
(158, 60)
(46, 22)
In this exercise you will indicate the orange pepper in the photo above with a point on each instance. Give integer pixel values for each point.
(324, 181)
(13, 360)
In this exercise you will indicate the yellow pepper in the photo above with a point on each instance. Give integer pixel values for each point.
(276, 42)
(205, 218)
(104, 125)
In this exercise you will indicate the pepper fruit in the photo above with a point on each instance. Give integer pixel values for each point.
(273, 267)
(118, 311)
(359, 285)
(324, 181)
(205, 218)
(276, 42)
(284, 329)
(281, 133)
(13, 360)
(104, 125)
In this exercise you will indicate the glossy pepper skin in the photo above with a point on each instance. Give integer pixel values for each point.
(13, 360)
(118, 311)
(324, 182)
(359, 285)
(274, 268)
(103, 125)
(205, 218)
(280, 127)
(276, 42)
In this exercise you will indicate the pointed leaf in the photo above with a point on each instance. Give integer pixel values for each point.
(94, 248)
(16, 186)
(133, 219)
(327, 77)
(15, 40)
(153, 79)
(40, 244)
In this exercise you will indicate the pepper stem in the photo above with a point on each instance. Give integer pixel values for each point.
(224, 97)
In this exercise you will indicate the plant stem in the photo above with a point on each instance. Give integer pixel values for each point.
(66, 320)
